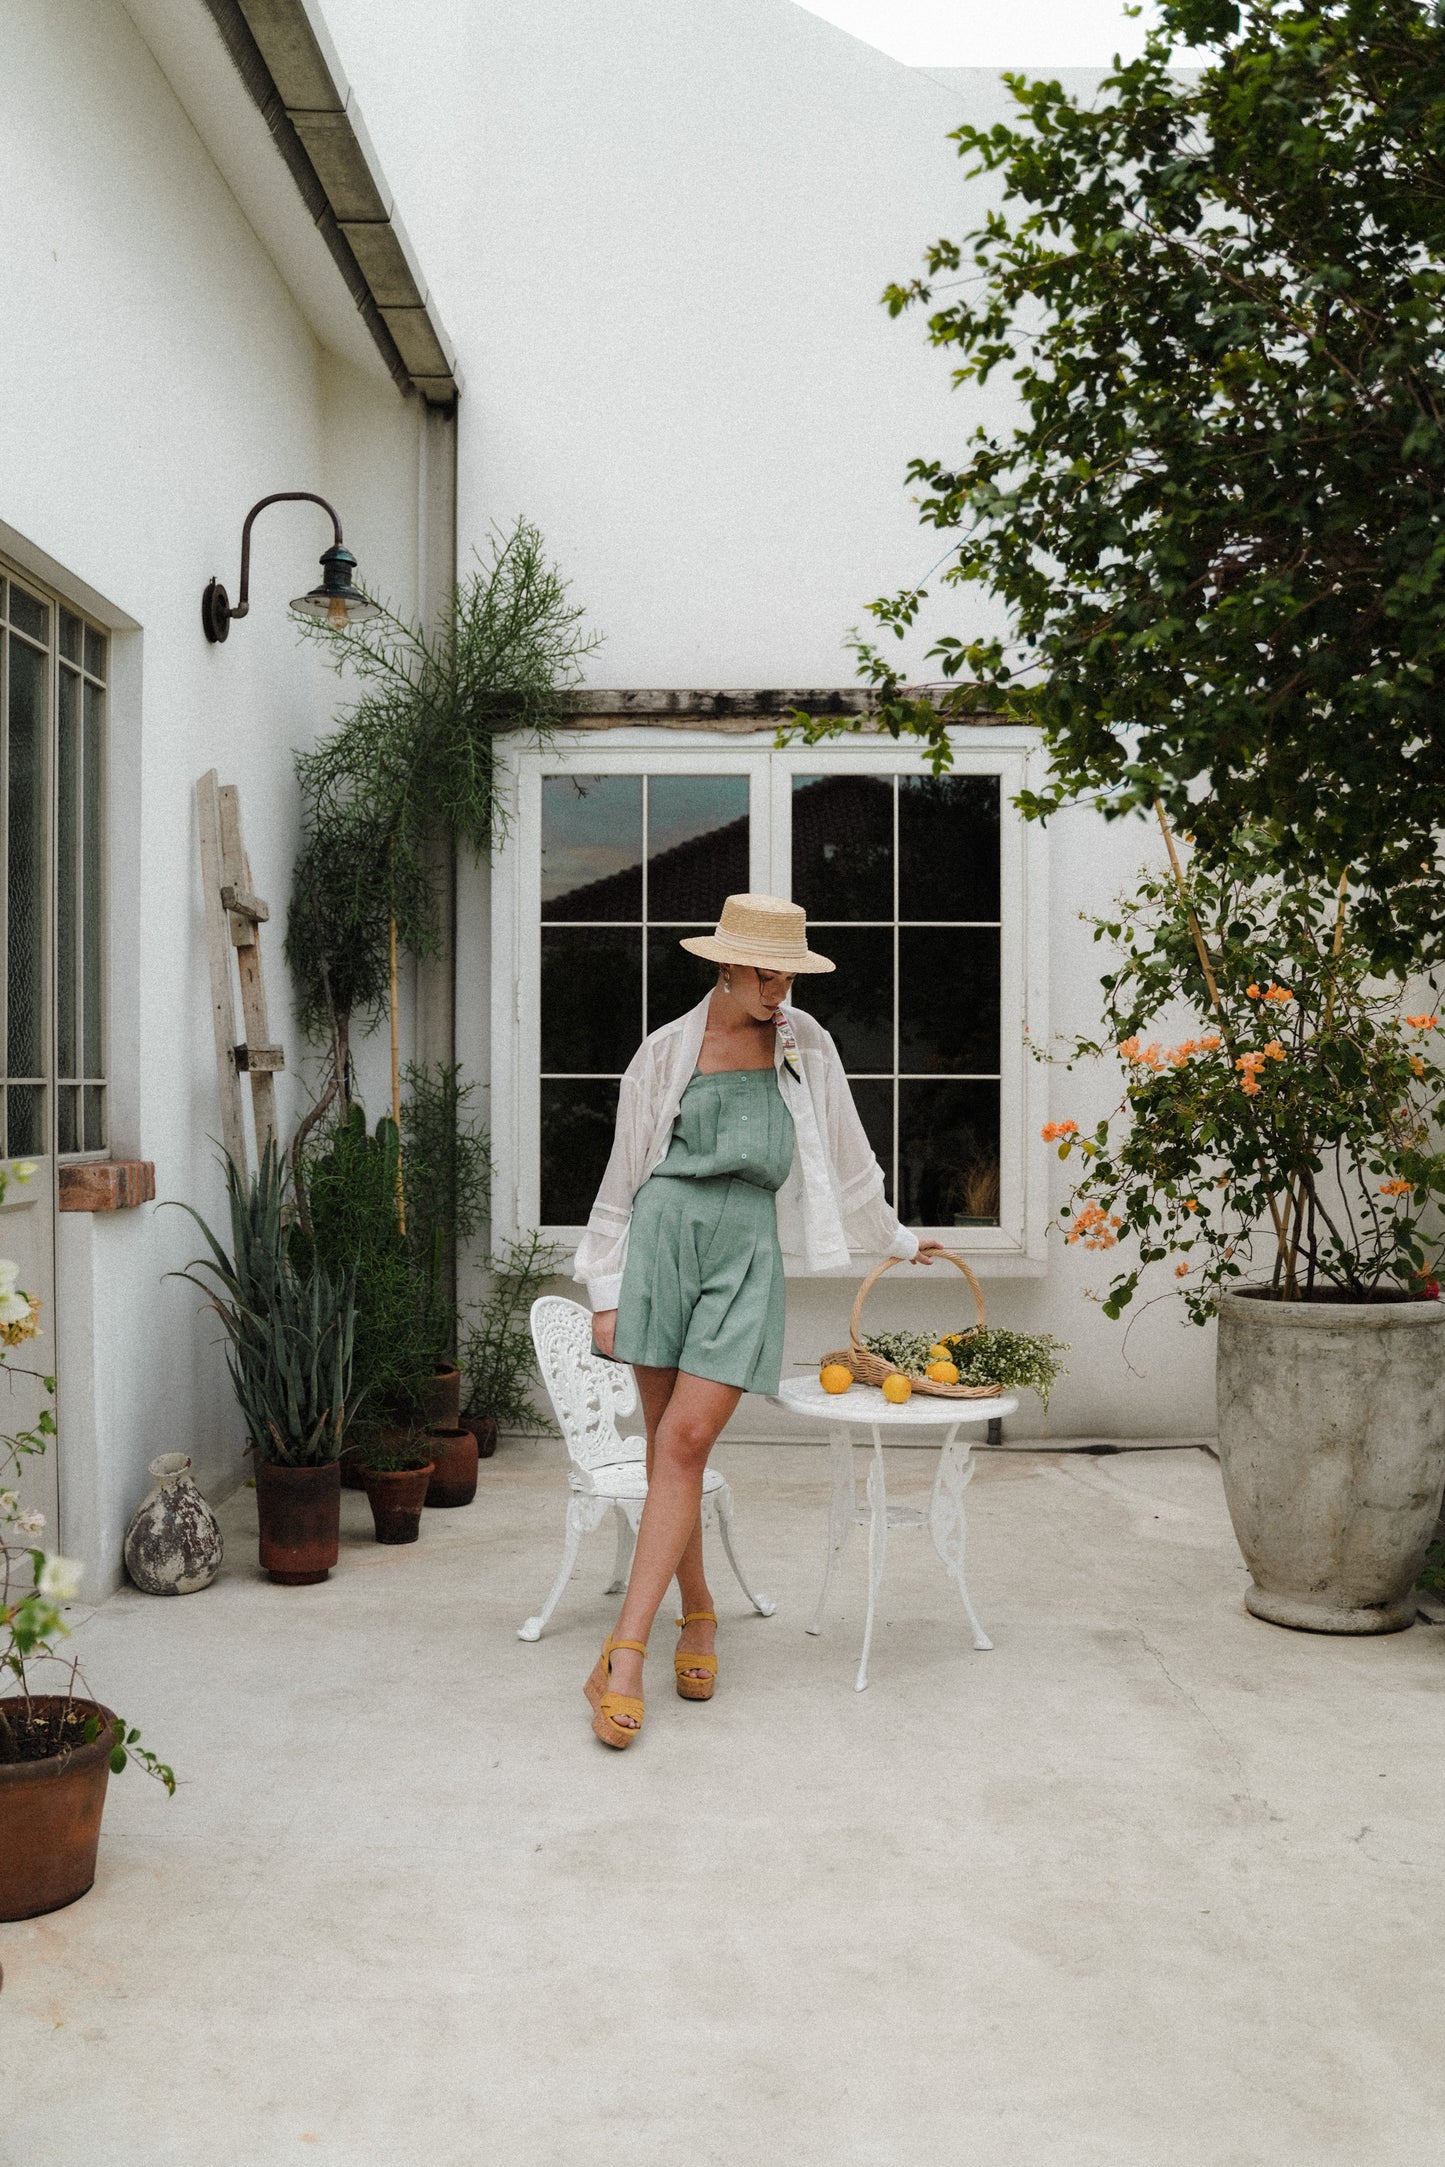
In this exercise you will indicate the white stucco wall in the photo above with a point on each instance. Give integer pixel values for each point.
(156, 378)
(659, 230)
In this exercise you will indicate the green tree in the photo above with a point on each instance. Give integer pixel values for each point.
(1218, 525)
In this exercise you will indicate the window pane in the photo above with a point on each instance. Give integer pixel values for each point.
(948, 1153)
(95, 1117)
(592, 846)
(28, 615)
(93, 877)
(95, 646)
(948, 1000)
(855, 1002)
(67, 1118)
(676, 981)
(25, 884)
(874, 1102)
(24, 1133)
(948, 846)
(72, 637)
(843, 845)
(67, 884)
(697, 844)
(591, 998)
(577, 1124)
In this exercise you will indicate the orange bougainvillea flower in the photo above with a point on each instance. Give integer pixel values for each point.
(1417, 1064)
(1210, 1042)
(1094, 1227)
(1191, 1203)
(1181, 1271)
(1253, 992)
(1422, 1023)
(1394, 1188)
(1055, 1129)
(1272, 992)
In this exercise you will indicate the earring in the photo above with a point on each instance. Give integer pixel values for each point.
(727, 979)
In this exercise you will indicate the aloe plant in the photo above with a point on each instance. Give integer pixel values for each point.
(290, 1332)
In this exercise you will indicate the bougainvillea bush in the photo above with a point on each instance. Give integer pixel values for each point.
(1290, 1134)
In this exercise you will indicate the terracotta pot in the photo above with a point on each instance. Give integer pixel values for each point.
(397, 1496)
(50, 1818)
(484, 1429)
(454, 1466)
(442, 1400)
(300, 1514)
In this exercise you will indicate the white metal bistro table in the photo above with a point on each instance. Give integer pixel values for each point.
(865, 1407)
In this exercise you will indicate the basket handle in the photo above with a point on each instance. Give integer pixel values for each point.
(887, 1265)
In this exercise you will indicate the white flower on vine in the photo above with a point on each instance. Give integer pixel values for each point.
(9, 1503)
(9, 1274)
(14, 1308)
(59, 1578)
(23, 1169)
(30, 1523)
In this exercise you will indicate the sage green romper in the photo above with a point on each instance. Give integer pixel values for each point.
(702, 1289)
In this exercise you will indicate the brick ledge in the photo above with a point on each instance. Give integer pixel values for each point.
(107, 1184)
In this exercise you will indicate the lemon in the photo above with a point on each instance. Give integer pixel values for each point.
(943, 1372)
(938, 1352)
(897, 1390)
(834, 1377)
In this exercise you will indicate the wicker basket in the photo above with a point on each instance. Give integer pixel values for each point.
(872, 1369)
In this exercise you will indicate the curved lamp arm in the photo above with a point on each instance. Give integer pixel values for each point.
(241, 606)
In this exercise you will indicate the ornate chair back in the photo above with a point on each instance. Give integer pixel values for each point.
(587, 1392)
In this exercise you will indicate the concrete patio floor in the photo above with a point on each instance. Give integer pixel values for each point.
(1151, 1885)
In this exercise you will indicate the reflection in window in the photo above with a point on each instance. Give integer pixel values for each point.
(900, 878)
(630, 863)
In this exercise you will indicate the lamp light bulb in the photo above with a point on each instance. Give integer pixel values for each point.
(336, 613)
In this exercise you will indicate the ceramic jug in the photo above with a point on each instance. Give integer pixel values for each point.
(173, 1544)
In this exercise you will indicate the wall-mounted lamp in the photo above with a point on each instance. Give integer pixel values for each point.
(337, 601)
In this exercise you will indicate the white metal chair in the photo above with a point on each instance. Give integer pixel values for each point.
(608, 1472)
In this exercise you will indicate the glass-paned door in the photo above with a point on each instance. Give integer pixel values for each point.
(630, 863)
(54, 670)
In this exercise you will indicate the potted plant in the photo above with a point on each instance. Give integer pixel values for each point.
(1282, 1156)
(290, 1332)
(499, 1363)
(58, 1749)
(448, 1172)
(396, 1467)
(348, 1177)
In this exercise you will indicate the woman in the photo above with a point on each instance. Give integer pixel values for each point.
(734, 1124)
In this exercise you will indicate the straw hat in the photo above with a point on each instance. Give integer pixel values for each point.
(762, 930)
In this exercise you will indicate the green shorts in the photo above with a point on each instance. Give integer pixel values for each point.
(703, 1285)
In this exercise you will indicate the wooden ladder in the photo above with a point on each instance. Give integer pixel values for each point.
(234, 918)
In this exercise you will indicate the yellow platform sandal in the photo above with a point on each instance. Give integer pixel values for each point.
(607, 1707)
(683, 1662)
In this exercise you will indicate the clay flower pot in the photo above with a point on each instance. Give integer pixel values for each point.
(173, 1544)
(484, 1429)
(454, 1466)
(50, 1816)
(397, 1496)
(442, 1401)
(300, 1514)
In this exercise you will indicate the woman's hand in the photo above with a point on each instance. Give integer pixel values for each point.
(927, 1251)
(604, 1331)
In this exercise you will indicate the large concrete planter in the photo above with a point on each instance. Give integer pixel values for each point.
(1332, 1443)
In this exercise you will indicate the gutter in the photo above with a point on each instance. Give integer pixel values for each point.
(283, 55)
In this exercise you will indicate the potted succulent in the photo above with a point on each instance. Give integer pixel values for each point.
(58, 1749)
(499, 1363)
(290, 1330)
(396, 1468)
(1282, 1155)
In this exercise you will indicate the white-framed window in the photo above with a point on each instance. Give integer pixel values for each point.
(54, 672)
(929, 894)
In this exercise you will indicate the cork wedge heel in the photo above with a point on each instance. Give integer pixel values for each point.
(696, 1688)
(608, 1706)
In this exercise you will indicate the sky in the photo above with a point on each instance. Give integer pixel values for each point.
(989, 33)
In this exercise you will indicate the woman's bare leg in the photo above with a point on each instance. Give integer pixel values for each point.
(654, 1389)
(681, 1433)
